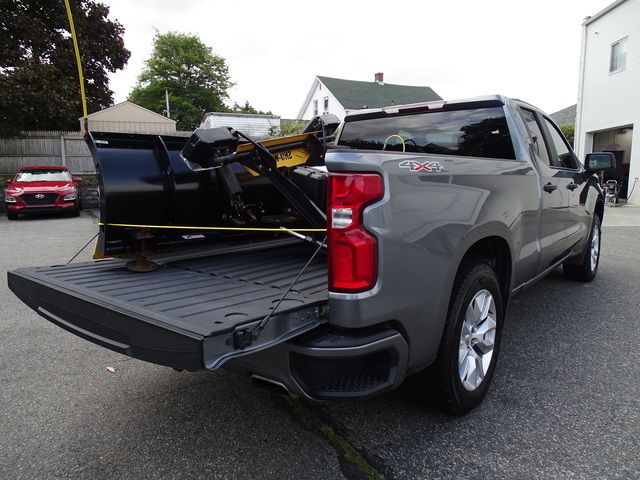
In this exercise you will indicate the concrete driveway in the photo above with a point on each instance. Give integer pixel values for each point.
(564, 403)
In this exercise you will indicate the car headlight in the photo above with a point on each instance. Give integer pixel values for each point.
(10, 199)
(69, 196)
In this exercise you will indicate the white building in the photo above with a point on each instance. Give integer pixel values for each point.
(128, 117)
(253, 125)
(339, 96)
(608, 113)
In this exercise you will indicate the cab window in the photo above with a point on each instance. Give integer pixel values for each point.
(563, 157)
(476, 132)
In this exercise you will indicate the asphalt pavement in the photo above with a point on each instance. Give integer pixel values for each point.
(564, 402)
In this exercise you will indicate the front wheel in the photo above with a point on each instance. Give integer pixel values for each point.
(75, 212)
(586, 270)
(12, 215)
(471, 339)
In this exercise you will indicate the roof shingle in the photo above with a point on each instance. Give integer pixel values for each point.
(354, 95)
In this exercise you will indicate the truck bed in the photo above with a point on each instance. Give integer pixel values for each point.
(164, 316)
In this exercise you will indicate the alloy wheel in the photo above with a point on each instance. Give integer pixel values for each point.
(477, 340)
(595, 247)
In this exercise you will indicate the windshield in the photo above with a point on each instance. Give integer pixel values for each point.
(43, 176)
(480, 132)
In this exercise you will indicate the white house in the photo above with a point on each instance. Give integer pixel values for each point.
(608, 112)
(128, 117)
(254, 125)
(339, 96)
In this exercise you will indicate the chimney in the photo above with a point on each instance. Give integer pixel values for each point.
(379, 78)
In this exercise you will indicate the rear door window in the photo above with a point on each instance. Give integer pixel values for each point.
(480, 132)
(535, 133)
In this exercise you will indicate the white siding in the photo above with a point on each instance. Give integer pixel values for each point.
(130, 127)
(611, 100)
(127, 117)
(319, 92)
(256, 126)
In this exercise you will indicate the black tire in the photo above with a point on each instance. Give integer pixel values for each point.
(12, 215)
(75, 212)
(472, 279)
(586, 270)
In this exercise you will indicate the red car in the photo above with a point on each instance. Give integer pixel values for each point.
(42, 189)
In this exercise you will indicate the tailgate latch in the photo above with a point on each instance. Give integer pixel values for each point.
(243, 338)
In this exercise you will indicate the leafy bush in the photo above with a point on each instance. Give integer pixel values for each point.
(569, 131)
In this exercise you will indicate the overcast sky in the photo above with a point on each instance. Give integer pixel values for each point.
(460, 48)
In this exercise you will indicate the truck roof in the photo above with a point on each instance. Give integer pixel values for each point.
(437, 104)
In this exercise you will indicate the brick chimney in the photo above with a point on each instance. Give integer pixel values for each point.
(379, 78)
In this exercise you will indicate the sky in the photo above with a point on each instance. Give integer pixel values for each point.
(460, 48)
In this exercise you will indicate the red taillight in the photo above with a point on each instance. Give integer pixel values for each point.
(352, 250)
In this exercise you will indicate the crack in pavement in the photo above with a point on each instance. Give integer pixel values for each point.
(353, 463)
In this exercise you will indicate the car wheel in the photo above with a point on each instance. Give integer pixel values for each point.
(586, 270)
(75, 211)
(471, 339)
(12, 215)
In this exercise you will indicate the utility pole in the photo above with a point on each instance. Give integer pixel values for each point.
(166, 99)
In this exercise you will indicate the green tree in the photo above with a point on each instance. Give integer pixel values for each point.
(196, 79)
(569, 131)
(247, 108)
(287, 128)
(38, 75)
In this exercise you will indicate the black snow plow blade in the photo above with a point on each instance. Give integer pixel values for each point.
(171, 182)
(185, 313)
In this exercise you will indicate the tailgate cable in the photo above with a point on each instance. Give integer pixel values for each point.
(247, 337)
(79, 251)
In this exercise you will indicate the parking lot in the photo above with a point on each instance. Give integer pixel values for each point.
(564, 403)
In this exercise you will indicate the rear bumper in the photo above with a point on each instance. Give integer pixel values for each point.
(326, 365)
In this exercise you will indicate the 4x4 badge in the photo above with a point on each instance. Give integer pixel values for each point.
(415, 166)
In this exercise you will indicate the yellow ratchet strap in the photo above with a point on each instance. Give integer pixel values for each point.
(236, 229)
(78, 62)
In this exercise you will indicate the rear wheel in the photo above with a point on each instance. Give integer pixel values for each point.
(471, 339)
(12, 215)
(586, 270)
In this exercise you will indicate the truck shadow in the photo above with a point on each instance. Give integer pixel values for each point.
(194, 425)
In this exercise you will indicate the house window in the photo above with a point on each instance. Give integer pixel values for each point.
(315, 107)
(618, 56)
(326, 104)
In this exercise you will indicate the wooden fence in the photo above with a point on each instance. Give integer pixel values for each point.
(48, 148)
(45, 148)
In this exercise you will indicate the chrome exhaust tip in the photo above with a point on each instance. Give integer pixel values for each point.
(271, 385)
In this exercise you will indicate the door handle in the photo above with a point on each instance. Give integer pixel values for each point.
(549, 187)
(572, 186)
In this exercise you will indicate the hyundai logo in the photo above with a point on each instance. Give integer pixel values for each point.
(40, 195)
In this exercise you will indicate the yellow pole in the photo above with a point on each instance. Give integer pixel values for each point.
(80, 77)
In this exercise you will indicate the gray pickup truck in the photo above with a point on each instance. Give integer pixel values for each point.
(393, 250)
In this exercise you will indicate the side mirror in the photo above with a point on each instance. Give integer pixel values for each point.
(8, 180)
(600, 161)
(77, 179)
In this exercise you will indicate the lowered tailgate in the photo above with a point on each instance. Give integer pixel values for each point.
(184, 313)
